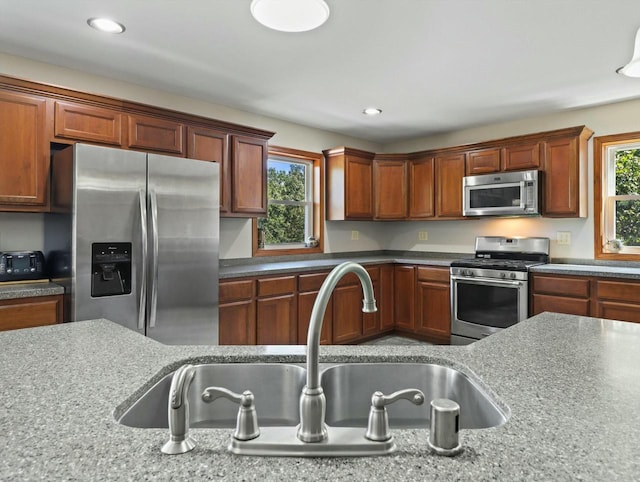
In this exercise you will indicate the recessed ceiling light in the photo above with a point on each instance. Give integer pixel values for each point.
(290, 15)
(106, 25)
(372, 111)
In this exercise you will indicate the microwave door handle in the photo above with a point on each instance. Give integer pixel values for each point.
(523, 195)
(142, 199)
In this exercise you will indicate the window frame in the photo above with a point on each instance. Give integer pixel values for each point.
(601, 158)
(317, 163)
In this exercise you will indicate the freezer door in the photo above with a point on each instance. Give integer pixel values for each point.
(184, 240)
(107, 228)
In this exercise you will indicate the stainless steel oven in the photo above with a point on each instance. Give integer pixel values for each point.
(490, 292)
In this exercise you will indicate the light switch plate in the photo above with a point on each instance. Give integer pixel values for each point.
(563, 238)
(423, 236)
(355, 235)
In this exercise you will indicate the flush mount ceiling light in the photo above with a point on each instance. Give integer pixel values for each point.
(632, 69)
(372, 111)
(106, 25)
(290, 15)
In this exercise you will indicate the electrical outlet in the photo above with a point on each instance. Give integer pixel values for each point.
(423, 236)
(563, 238)
(355, 235)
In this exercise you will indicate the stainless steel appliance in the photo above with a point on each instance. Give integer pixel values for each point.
(501, 194)
(490, 292)
(134, 238)
(21, 265)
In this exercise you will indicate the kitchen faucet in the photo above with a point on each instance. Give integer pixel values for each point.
(312, 400)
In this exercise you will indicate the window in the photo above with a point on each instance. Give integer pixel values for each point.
(617, 196)
(294, 204)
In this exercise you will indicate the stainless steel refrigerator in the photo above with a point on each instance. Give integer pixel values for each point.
(134, 238)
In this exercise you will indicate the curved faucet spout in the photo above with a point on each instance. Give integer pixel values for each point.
(312, 400)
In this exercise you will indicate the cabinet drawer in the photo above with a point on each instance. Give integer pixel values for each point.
(30, 312)
(573, 287)
(87, 123)
(276, 286)
(311, 282)
(440, 275)
(619, 311)
(560, 304)
(236, 290)
(618, 290)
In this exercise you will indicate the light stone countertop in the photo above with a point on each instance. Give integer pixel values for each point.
(589, 270)
(26, 290)
(572, 385)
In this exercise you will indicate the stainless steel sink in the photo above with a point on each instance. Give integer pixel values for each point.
(276, 388)
(348, 389)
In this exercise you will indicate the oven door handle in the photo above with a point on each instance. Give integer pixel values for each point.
(487, 281)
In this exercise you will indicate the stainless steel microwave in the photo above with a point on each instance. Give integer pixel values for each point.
(502, 194)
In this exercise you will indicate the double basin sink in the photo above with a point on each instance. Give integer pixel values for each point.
(348, 389)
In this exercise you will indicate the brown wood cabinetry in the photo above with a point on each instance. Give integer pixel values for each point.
(87, 123)
(384, 298)
(349, 186)
(154, 134)
(24, 152)
(308, 288)
(404, 280)
(390, 188)
(421, 187)
(277, 311)
(237, 313)
(212, 145)
(617, 300)
(347, 313)
(520, 157)
(433, 301)
(449, 173)
(248, 176)
(30, 312)
(483, 161)
(560, 294)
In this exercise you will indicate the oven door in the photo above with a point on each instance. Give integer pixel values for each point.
(483, 306)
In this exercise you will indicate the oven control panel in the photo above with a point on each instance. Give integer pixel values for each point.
(490, 273)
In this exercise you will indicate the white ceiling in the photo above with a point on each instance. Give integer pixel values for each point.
(430, 65)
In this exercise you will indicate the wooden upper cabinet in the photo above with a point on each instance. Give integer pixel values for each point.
(449, 173)
(483, 161)
(155, 134)
(349, 187)
(24, 152)
(87, 123)
(521, 157)
(565, 175)
(421, 187)
(390, 188)
(248, 176)
(212, 145)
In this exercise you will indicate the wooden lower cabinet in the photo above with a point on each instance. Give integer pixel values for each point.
(347, 313)
(403, 297)
(617, 300)
(433, 302)
(308, 288)
(30, 312)
(237, 313)
(276, 321)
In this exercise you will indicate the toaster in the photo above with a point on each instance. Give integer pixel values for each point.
(21, 265)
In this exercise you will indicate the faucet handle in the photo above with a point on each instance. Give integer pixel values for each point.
(178, 412)
(378, 426)
(247, 421)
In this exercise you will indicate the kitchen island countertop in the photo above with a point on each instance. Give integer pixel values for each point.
(571, 383)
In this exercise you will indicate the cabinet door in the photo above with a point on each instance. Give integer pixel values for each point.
(276, 320)
(237, 323)
(160, 135)
(347, 313)
(30, 312)
(87, 123)
(449, 174)
(390, 189)
(305, 306)
(249, 176)
(559, 304)
(433, 311)
(358, 188)
(483, 161)
(24, 153)
(561, 178)
(403, 301)
(421, 188)
(520, 157)
(385, 298)
(371, 321)
(618, 311)
(212, 145)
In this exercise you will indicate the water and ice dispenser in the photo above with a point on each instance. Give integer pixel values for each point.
(111, 269)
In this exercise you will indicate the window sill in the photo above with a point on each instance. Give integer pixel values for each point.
(286, 251)
(617, 256)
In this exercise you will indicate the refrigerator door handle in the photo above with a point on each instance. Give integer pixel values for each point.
(143, 283)
(154, 260)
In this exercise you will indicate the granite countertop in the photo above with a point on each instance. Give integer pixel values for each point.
(27, 290)
(589, 270)
(571, 384)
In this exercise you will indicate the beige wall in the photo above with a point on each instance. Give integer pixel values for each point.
(449, 236)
